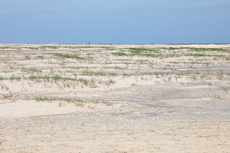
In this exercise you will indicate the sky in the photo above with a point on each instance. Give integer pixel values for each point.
(115, 21)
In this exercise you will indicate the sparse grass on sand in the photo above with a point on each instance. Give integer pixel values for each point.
(114, 98)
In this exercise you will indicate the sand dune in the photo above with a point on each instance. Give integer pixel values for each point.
(114, 98)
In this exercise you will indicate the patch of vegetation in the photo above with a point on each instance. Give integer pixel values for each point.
(77, 101)
(208, 49)
(68, 56)
(126, 75)
(150, 55)
(15, 78)
(196, 55)
(4, 47)
(90, 73)
(40, 98)
(38, 77)
(40, 57)
(140, 50)
(2, 78)
(120, 54)
(27, 57)
(55, 78)
(50, 47)
(33, 48)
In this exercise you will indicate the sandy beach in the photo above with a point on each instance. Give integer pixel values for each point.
(114, 98)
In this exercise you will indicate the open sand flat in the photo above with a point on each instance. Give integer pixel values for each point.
(114, 98)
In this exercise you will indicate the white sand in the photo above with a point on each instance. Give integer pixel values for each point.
(21, 109)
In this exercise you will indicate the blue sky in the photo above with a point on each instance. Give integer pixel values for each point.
(115, 21)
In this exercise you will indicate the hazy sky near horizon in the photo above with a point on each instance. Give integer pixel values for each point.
(118, 21)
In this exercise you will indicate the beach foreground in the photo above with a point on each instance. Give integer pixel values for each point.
(114, 98)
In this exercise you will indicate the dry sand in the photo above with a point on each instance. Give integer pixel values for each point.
(177, 101)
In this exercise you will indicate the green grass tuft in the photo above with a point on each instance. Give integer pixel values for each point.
(119, 54)
(68, 56)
